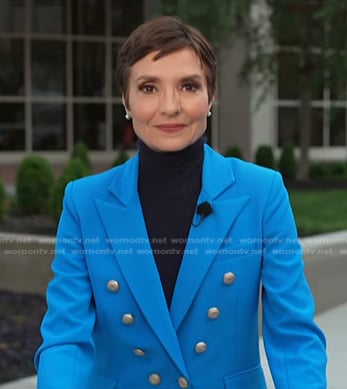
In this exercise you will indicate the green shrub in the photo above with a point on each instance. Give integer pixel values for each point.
(74, 169)
(265, 157)
(317, 170)
(34, 182)
(3, 198)
(328, 169)
(287, 164)
(121, 158)
(81, 151)
(336, 169)
(233, 151)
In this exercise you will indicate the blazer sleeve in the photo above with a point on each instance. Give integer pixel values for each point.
(295, 346)
(65, 358)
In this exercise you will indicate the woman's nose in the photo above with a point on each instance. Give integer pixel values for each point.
(170, 103)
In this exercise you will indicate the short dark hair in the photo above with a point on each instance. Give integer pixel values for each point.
(165, 34)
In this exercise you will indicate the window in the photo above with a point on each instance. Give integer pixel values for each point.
(115, 87)
(288, 126)
(88, 69)
(49, 130)
(124, 17)
(48, 16)
(11, 67)
(12, 128)
(89, 125)
(337, 125)
(88, 17)
(317, 126)
(48, 68)
(57, 81)
(12, 16)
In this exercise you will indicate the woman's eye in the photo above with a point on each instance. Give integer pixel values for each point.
(147, 88)
(190, 86)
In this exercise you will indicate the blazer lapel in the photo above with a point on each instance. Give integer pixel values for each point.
(205, 238)
(125, 228)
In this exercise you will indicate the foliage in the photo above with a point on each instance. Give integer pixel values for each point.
(122, 157)
(316, 45)
(216, 19)
(34, 182)
(78, 166)
(320, 28)
(328, 170)
(2, 199)
(264, 156)
(233, 151)
(287, 164)
(316, 48)
(81, 151)
(74, 169)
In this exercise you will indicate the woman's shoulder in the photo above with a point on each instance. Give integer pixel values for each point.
(242, 167)
(243, 170)
(99, 182)
(255, 179)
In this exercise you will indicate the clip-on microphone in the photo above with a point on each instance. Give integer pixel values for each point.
(203, 210)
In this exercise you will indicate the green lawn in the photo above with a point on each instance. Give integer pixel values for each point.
(318, 212)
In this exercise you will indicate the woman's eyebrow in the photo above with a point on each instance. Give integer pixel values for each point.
(195, 77)
(151, 78)
(147, 78)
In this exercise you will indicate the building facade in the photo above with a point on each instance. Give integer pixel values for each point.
(57, 87)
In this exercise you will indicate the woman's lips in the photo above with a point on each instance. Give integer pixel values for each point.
(172, 127)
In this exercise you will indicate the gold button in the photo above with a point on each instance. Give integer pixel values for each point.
(128, 318)
(200, 347)
(213, 313)
(154, 379)
(139, 352)
(113, 285)
(183, 382)
(229, 278)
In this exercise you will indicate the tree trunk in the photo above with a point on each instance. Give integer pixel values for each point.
(304, 129)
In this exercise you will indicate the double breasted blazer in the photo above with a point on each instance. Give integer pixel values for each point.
(108, 325)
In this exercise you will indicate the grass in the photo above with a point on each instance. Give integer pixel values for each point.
(318, 212)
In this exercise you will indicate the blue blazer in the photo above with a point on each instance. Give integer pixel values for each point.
(108, 326)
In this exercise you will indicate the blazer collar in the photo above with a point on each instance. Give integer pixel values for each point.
(124, 184)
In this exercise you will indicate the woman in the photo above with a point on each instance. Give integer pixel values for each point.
(160, 261)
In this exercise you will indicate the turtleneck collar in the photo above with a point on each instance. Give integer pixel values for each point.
(170, 173)
(165, 161)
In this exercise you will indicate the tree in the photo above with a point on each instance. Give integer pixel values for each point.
(216, 19)
(312, 31)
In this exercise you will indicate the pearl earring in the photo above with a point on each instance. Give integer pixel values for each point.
(209, 114)
(127, 116)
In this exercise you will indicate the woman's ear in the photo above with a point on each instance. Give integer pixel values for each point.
(124, 102)
(127, 111)
(211, 103)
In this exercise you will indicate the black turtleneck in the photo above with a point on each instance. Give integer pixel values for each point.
(169, 185)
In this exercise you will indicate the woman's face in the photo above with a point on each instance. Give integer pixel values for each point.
(168, 100)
